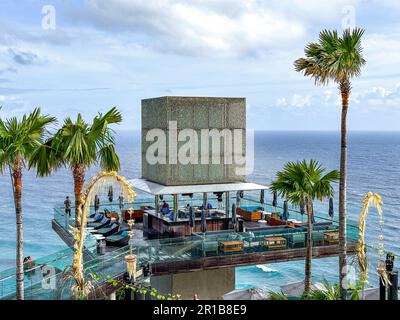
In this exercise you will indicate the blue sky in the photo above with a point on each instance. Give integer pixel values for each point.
(117, 52)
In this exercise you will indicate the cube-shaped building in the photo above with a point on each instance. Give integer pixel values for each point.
(193, 140)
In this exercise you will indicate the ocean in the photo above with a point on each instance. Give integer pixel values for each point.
(373, 165)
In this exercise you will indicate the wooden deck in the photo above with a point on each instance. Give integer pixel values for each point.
(230, 260)
(245, 259)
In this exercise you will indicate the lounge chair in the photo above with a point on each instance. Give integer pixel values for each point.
(102, 223)
(92, 218)
(119, 239)
(109, 230)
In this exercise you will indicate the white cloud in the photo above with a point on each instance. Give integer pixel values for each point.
(208, 28)
(372, 98)
(382, 49)
(378, 97)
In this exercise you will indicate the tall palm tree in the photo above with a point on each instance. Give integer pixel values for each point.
(18, 141)
(337, 59)
(79, 145)
(301, 183)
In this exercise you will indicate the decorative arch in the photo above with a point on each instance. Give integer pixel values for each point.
(375, 200)
(82, 288)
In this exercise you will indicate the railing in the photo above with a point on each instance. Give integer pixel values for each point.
(40, 284)
(44, 267)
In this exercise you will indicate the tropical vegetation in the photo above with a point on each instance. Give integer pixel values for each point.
(301, 183)
(338, 59)
(19, 139)
(78, 145)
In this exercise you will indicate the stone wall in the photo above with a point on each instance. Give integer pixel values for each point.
(207, 284)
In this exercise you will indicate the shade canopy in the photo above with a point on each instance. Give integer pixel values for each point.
(159, 189)
(247, 294)
(296, 289)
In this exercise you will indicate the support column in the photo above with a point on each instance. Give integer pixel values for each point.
(176, 209)
(207, 284)
(205, 202)
(157, 204)
(237, 199)
(227, 203)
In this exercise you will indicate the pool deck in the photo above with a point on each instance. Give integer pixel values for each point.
(166, 264)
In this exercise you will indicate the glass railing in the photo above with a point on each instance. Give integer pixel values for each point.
(40, 270)
(47, 283)
(41, 283)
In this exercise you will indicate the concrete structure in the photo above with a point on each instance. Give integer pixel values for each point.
(207, 284)
(172, 115)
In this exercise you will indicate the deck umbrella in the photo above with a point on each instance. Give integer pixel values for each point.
(331, 210)
(275, 199)
(234, 218)
(191, 220)
(203, 225)
(312, 216)
(296, 289)
(302, 208)
(262, 197)
(285, 210)
(247, 294)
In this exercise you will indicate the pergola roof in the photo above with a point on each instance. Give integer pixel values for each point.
(159, 189)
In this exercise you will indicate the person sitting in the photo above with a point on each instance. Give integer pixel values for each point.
(165, 207)
(29, 263)
(209, 206)
(165, 204)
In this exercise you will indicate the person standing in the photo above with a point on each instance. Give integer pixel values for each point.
(219, 199)
(96, 203)
(121, 202)
(67, 204)
(110, 194)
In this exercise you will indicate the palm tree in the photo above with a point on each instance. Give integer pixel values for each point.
(301, 183)
(337, 59)
(79, 145)
(18, 141)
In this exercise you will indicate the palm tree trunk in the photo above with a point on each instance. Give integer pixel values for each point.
(309, 250)
(345, 92)
(78, 172)
(17, 186)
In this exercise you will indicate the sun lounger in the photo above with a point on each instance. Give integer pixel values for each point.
(109, 230)
(92, 218)
(119, 239)
(97, 225)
